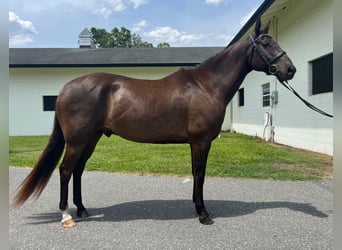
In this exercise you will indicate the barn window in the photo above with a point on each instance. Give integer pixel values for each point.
(241, 98)
(266, 94)
(322, 75)
(49, 102)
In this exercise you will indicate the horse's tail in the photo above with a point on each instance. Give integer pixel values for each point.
(36, 181)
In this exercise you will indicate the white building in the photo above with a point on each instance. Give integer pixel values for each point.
(303, 28)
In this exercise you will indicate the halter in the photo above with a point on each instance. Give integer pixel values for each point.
(271, 69)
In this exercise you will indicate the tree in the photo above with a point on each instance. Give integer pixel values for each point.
(163, 45)
(122, 38)
(139, 43)
(101, 38)
(118, 38)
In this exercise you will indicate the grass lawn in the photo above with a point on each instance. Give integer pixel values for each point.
(233, 155)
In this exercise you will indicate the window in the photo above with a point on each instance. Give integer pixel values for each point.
(322, 74)
(49, 102)
(266, 94)
(241, 99)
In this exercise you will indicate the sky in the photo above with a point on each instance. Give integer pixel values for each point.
(181, 23)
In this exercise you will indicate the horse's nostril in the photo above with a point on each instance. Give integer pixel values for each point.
(291, 70)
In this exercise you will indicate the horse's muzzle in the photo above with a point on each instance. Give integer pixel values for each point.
(285, 75)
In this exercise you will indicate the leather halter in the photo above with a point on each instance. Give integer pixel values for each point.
(268, 62)
(273, 70)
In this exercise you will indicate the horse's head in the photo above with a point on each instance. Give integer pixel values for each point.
(267, 56)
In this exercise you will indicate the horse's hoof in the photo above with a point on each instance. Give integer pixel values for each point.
(206, 220)
(68, 223)
(82, 214)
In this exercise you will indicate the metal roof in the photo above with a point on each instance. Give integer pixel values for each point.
(100, 57)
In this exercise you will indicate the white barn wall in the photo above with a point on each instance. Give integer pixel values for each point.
(305, 31)
(28, 86)
(249, 118)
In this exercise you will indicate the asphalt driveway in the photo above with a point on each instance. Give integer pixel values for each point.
(156, 212)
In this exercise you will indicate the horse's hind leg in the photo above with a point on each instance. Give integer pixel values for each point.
(77, 174)
(70, 160)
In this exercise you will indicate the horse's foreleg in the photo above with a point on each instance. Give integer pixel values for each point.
(77, 174)
(199, 156)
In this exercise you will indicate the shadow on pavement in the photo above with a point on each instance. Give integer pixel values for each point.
(176, 210)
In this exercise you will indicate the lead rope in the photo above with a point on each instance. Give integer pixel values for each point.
(288, 86)
(285, 83)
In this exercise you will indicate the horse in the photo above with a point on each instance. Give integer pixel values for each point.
(186, 106)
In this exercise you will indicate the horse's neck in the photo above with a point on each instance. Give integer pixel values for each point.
(227, 70)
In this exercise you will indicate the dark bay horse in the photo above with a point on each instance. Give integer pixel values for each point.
(187, 106)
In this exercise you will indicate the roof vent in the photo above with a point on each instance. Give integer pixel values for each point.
(85, 39)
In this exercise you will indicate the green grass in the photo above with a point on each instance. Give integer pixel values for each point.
(233, 155)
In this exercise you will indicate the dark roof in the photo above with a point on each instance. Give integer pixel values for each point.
(100, 57)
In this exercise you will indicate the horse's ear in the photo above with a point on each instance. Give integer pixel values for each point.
(257, 27)
(265, 31)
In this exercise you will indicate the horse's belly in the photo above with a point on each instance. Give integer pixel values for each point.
(156, 130)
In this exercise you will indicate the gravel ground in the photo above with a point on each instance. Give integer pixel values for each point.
(156, 212)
